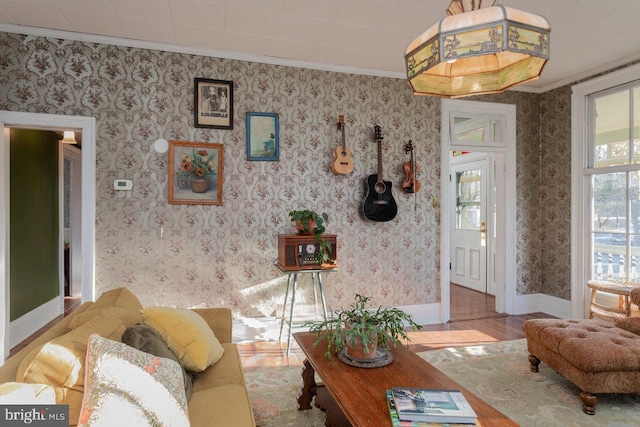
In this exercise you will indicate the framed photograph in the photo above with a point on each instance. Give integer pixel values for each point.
(195, 173)
(262, 136)
(213, 103)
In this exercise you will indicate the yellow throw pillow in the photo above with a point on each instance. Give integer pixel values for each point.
(187, 334)
(60, 362)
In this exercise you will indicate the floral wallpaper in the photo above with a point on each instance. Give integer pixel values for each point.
(555, 192)
(188, 255)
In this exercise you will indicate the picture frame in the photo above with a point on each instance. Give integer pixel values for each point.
(213, 103)
(263, 138)
(195, 173)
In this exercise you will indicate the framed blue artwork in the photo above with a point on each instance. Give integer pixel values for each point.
(263, 141)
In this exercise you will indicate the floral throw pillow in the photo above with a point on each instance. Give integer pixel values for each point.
(127, 387)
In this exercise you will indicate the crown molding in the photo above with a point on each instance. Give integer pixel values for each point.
(141, 44)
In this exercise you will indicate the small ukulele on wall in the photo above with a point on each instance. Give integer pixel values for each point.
(379, 204)
(343, 163)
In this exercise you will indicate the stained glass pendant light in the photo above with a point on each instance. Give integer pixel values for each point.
(479, 48)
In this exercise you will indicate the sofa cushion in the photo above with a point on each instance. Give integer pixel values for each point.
(228, 404)
(120, 297)
(225, 371)
(60, 362)
(147, 339)
(125, 386)
(187, 334)
(128, 316)
(13, 393)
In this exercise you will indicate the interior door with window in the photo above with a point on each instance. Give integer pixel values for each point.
(469, 226)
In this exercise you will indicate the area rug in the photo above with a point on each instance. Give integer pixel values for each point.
(499, 373)
(274, 398)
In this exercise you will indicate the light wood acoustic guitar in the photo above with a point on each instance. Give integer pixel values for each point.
(343, 163)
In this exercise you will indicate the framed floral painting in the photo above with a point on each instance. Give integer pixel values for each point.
(213, 103)
(195, 173)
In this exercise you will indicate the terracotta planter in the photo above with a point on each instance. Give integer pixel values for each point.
(199, 185)
(300, 227)
(357, 350)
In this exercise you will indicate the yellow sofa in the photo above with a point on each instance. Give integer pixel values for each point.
(219, 395)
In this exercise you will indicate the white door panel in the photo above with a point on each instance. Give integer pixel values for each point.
(468, 227)
(458, 261)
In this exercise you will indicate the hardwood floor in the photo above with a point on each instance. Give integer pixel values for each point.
(475, 323)
(469, 304)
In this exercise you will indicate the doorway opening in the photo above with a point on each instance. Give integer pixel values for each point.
(14, 332)
(472, 234)
(478, 221)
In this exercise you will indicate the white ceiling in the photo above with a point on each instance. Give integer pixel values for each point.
(358, 36)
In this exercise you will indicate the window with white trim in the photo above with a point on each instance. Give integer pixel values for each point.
(613, 163)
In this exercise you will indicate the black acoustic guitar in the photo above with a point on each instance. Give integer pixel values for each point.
(379, 204)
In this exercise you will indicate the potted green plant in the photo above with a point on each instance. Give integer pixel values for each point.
(358, 326)
(310, 222)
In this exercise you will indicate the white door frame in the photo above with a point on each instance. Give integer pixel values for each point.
(11, 119)
(74, 154)
(505, 178)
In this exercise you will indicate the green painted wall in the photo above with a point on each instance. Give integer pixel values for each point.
(34, 213)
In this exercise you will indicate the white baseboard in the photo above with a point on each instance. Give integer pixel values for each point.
(429, 314)
(423, 314)
(24, 326)
(534, 303)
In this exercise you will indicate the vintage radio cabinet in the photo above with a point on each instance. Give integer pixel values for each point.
(300, 251)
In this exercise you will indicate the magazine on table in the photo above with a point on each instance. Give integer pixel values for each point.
(432, 405)
(395, 421)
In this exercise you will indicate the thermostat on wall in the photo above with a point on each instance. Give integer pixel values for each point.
(122, 184)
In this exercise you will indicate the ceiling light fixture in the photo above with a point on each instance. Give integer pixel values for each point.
(478, 48)
(69, 137)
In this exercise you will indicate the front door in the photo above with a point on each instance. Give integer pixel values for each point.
(469, 224)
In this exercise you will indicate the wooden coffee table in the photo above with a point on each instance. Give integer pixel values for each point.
(360, 392)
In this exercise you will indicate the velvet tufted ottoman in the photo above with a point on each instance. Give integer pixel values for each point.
(595, 355)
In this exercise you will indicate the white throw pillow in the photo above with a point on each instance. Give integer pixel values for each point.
(127, 387)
